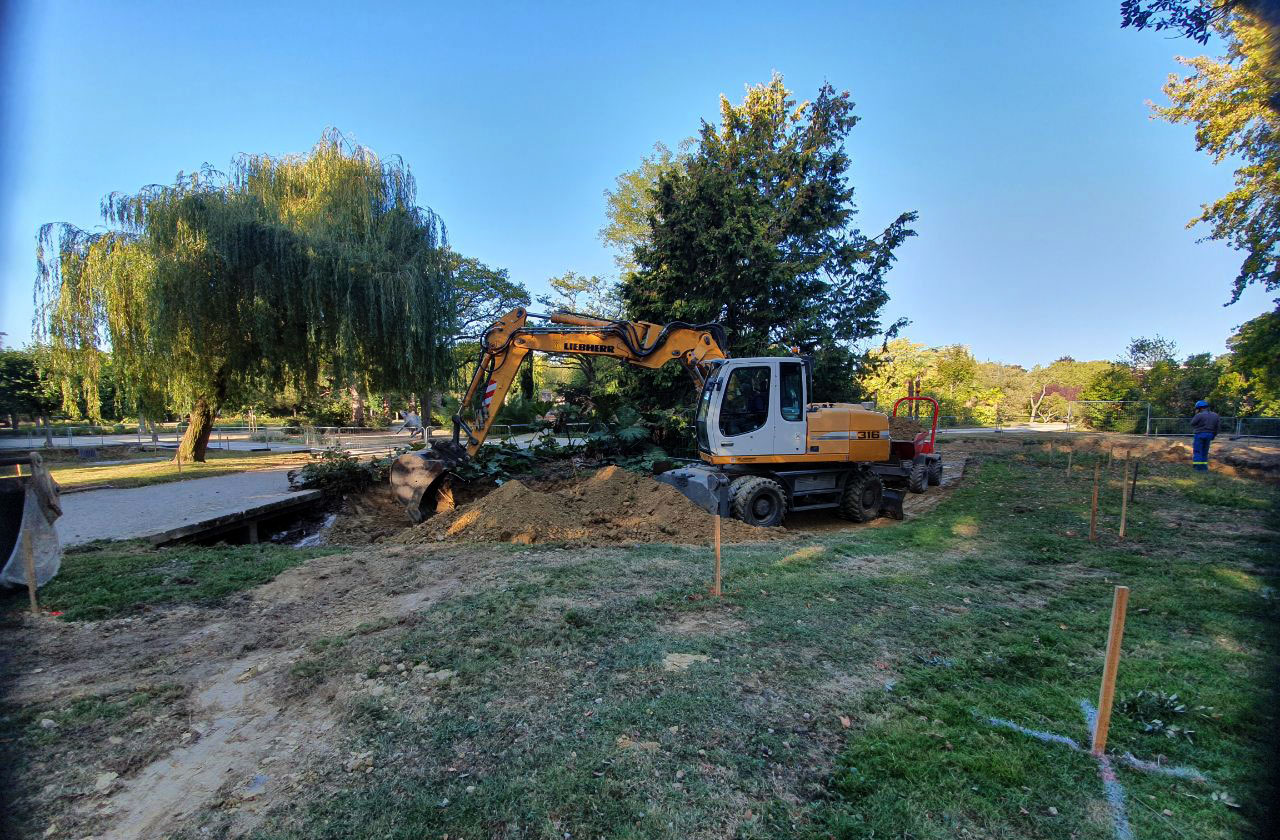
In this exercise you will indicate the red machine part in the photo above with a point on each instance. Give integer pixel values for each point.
(923, 445)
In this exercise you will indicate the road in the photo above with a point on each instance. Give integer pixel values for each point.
(132, 513)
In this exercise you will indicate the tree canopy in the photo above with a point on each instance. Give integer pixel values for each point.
(282, 271)
(1229, 101)
(755, 230)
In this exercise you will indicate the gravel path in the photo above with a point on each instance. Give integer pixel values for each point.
(143, 511)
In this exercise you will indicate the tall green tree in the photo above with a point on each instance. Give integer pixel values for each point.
(285, 270)
(1230, 103)
(25, 390)
(756, 231)
(631, 202)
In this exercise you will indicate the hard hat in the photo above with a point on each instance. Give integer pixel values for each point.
(1202, 404)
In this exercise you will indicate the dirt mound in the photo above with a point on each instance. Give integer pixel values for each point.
(611, 506)
(904, 428)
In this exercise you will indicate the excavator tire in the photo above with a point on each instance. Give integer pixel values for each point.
(935, 473)
(862, 497)
(757, 500)
(918, 481)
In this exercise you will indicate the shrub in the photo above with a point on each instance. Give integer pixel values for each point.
(336, 472)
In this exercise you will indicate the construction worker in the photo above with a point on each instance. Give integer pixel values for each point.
(1204, 426)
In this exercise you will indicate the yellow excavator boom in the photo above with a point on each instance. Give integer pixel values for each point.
(415, 477)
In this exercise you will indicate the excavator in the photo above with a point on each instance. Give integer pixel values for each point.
(765, 449)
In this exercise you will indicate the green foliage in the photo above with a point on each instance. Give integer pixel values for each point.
(1229, 101)
(288, 270)
(23, 390)
(755, 231)
(338, 473)
(497, 461)
(483, 295)
(1255, 358)
(631, 202)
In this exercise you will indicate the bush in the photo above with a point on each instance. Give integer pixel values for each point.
(336, 472)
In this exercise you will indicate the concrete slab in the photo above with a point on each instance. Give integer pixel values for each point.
(162, 512)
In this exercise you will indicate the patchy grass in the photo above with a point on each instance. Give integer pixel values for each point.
(142, 473)
(104, 580)
(68, 743)
(845, 696)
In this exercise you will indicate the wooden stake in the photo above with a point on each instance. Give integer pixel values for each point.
(1133, 488)
(715, 587)
(29, 558)
(1124, 497)
(1093, 509)
(1119, 603)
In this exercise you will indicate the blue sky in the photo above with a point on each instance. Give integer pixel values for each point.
(1052, 208)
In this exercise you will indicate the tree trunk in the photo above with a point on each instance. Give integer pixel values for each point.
(195, 442)
(48, 430)
(357, 406)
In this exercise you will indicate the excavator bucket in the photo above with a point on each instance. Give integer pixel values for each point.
(420, 480)
(29, 506)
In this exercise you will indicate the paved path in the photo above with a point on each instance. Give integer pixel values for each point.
(136, 512)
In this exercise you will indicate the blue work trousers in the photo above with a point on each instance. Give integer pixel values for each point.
(1200, 452)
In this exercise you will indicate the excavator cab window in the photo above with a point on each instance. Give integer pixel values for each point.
(704, 408)
(791, 376)
(745, 407)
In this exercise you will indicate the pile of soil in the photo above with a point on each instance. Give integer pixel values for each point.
(904, 428)
(612, 506)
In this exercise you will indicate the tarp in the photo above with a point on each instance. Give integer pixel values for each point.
(28, 508)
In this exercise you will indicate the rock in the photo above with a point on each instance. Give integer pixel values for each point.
(48, 832)
(378, 690)
(47, 723)
(384, 669)
(103, 782)
(441, 676)
(115, 739)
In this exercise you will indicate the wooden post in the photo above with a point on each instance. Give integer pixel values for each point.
(1133, 487)
(29, 559)
(1106, 694)
(715, 586)
(1124, 497)
(1093, 509)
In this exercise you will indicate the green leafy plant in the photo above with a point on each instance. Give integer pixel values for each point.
(1153, 709)
(336, 472)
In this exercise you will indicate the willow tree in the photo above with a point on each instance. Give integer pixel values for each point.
(298, 270)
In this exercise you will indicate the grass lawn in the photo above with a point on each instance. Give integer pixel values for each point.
(841, 686)
(158, 472)
(111, 579)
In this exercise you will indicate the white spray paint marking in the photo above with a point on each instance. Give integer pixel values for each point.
(1110, 784)
(1034, 733)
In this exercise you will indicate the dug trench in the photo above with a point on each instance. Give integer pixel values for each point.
(164, 718)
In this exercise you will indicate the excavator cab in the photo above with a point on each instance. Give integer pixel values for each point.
(753, 408)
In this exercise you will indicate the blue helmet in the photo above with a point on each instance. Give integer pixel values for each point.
(1202, 404)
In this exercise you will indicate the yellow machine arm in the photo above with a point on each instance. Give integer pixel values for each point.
(637, 343)
(418, 478)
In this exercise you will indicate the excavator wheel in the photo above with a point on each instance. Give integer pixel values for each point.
(935, 473)
(918, 481)
(862, 497)
(757, 500)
